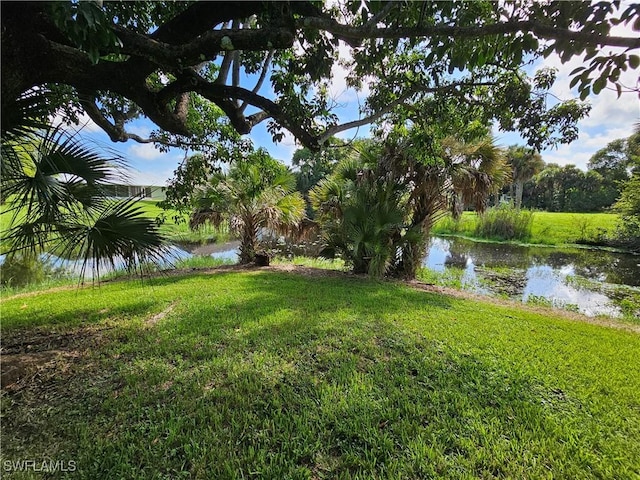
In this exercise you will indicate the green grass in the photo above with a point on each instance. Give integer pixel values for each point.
(549, 228)
(263, 374)
(175, 232)
(179, 232)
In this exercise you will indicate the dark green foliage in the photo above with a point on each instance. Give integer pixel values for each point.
(22, 269)
(628, 206)
(198, 70)
(377, 209)
(312, 166)
(569, 189)
(363, 217)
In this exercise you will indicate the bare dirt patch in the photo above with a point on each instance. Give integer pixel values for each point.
(28, 357)
(151, 321)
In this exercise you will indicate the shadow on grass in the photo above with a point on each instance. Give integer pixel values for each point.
(282, 376)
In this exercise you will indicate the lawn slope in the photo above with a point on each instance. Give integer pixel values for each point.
(269, 374)
(548, 228)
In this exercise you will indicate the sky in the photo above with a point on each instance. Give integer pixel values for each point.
(610, 118)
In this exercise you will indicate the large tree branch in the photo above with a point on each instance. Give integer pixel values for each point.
(544, 31)
(263, 75)
(206, 46)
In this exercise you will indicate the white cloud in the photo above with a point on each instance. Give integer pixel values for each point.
(145, 151)
(85, 124)
(139, 130)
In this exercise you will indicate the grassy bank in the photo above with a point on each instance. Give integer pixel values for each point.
(548, 228)
(269, 374)
(179, 231)
(176, 232)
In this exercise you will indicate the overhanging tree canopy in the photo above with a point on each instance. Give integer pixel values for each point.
(181, 64)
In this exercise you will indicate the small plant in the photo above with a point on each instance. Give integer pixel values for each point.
(19, 270)
(583, 227)
(538, 300)
(505, 223)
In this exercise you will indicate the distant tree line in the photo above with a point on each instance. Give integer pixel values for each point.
(556, 188)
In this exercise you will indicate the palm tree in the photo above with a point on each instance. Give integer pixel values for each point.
(478, 170)
(363, 215)
(249, 197)
(525, 163)
(54, 187)
(377, 209)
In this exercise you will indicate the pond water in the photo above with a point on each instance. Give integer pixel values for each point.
(593, 282)
(74, 268)
(585, 280)
(580, 279)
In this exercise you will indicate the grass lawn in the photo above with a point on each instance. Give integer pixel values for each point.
(549, 228)
(180, 232)
(273, 374)
(174, 232)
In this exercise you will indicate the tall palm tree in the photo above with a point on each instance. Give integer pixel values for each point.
(54, 186)
(250, 199)
(478, 170)
(525, 163)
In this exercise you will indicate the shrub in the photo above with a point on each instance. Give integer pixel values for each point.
(19, 270)
(505, 223)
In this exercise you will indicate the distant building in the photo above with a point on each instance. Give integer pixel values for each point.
(149, 192)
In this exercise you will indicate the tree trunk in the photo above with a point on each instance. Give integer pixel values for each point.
(519, 189)
(248, 240)
(458, 206)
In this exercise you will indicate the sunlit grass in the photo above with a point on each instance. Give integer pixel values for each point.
(548, 228)
(278, 375)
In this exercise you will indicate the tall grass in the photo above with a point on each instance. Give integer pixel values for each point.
(505, 223)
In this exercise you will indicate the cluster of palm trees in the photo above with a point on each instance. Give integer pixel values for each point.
(376, 209)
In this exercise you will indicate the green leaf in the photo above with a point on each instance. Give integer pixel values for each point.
(585, 93)
(634, 61)
(598, 85)
(574, 81)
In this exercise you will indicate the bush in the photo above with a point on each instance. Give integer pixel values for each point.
(19, 270)
(505, 223)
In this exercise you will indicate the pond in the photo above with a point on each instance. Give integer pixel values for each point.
(593, 282)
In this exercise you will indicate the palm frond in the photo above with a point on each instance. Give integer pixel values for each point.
(120, 233)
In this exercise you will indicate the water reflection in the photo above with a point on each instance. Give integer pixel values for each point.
(527, 272)
(92, 270)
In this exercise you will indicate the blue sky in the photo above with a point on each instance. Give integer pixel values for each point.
(610, 118)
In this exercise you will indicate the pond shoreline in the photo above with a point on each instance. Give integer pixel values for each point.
(582, 246)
